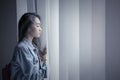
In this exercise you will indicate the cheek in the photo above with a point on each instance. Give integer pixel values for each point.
(35, 32)
(32, 31)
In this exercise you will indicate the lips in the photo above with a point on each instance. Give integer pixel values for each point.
(39, 32)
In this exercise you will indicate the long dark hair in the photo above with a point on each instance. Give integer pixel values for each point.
(25, 22)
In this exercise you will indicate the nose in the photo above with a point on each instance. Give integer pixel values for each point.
(40, 29)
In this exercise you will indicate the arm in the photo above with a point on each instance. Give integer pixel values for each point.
(42, 58)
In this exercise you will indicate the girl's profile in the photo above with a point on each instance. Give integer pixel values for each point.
(28, 61)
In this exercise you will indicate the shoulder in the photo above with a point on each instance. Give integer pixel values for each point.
(21, 46)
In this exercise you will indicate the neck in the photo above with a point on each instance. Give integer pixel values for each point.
(29, 38)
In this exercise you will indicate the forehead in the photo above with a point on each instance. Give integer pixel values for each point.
(37, 20)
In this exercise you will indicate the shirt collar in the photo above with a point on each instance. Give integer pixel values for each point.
(28, 43)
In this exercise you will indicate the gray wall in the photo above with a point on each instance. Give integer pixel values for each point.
(8, 31)
(112, 39)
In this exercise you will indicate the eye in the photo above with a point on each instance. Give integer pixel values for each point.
(38, 26)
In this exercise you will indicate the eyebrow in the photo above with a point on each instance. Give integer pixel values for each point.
(38, 23)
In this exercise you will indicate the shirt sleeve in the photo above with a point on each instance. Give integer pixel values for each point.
(43, 67)
(24, 61)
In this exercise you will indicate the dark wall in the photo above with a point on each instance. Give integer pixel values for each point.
(112, 39)
(8, 31)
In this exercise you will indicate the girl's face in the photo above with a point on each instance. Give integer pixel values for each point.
(35, 29)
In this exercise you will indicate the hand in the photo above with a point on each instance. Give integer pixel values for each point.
(43, 58)
(43, 55)
(44, 51)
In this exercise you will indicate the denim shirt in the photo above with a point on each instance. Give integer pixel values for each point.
(26, 63)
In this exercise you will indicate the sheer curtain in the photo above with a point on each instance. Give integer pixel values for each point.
(74, 32)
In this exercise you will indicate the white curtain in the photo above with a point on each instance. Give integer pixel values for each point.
(74, 31)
